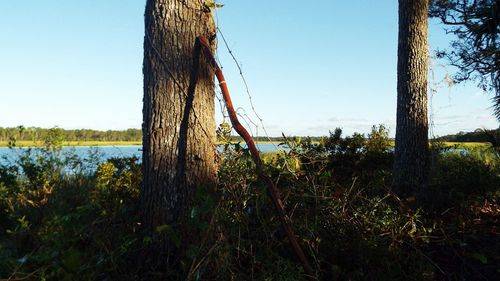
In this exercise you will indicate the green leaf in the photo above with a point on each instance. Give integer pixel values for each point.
(147, 240)
(170, 233)
(162, 228)
(22, 260)
(71, 259)
(194, 212)
(480, 257)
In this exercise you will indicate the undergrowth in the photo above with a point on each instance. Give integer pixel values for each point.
(65, 218)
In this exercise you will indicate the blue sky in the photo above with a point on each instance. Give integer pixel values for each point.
(311, 67)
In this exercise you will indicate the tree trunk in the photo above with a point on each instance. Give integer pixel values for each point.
(411, 163)
(178, 113)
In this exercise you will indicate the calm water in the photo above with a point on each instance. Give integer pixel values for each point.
(8, 155)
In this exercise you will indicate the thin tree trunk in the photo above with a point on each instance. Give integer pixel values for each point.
(411, 163)
(178, 113)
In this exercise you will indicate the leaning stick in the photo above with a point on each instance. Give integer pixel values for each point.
(272, 190)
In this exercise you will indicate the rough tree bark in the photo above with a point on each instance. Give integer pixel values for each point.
(411, 163)
(178, 113)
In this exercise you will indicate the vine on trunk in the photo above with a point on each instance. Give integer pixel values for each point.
(272, 190)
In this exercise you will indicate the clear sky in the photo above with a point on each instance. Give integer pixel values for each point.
(311, 66)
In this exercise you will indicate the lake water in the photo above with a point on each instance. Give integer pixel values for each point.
(8, 155)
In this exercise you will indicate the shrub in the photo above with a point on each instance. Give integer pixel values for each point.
(61, 220)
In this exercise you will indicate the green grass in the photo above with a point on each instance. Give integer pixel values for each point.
(468, 145)
(465, 145)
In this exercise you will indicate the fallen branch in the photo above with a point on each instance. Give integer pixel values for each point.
(272, 190)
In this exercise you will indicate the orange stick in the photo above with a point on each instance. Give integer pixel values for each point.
(272, 190)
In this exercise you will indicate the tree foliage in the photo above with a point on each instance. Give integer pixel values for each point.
(476, 50)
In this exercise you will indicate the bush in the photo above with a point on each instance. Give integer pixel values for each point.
(61, 220)
(461, 175)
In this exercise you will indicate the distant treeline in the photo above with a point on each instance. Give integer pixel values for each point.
(22, 133)
(479, 135)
